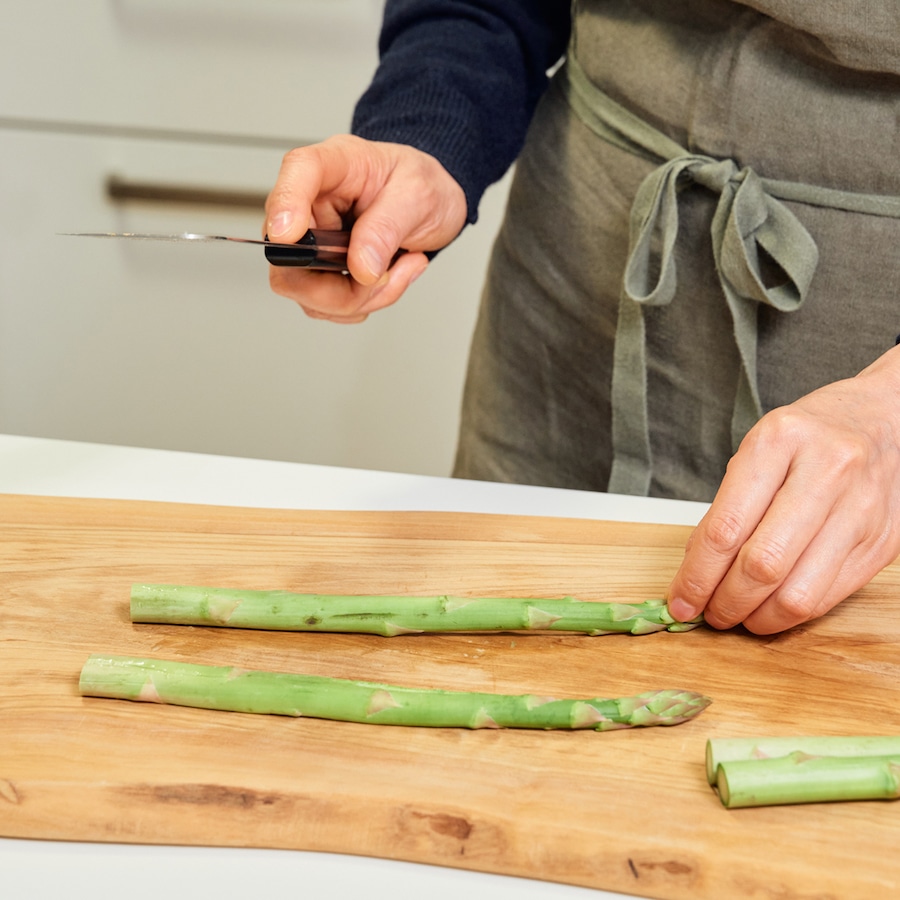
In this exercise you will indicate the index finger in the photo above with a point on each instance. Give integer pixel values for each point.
(306, 174)
(746, 492)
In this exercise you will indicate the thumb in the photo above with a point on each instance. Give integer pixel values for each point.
(397, 219)
(376, 238)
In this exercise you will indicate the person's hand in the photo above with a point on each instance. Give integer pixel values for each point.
(395, 195)
(808, 511)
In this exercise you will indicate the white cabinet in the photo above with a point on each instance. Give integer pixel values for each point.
(184, 346)
(255, 68)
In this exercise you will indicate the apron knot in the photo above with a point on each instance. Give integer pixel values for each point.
(713, 173)
(750, 230)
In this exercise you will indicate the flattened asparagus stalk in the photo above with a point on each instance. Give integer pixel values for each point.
(242, 690)
(389, 616)
(801, 778)
(719, 750)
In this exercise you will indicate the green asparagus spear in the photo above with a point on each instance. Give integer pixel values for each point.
(719, 750)
(801, 778)
(242, 690)
(388, 616)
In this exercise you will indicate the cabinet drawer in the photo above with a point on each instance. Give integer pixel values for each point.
(260, 69)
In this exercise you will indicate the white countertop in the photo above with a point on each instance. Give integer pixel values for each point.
(34, 870)
(72, 469)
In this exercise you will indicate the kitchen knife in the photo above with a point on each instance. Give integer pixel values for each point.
(317, 249)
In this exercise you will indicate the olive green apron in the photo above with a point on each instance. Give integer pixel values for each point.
(663, 407)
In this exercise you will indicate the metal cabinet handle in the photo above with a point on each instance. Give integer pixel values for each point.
(122, 190)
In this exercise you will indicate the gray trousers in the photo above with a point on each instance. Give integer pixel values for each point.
(732, 84)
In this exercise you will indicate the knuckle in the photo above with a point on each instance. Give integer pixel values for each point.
(849, 456)
(723, 532)
(765, 562)
(293, 161)
(298, 164)
(293, 156)
(693, 589)
(780, 428)
(722, 614)
(298, 157)
(781, 423)
(794, 603)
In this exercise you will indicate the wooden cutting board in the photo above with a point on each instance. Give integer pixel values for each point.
(629, 811)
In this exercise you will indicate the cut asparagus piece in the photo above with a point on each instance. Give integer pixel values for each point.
(719, 750)
(243, 690)
(801, 778)
(389, 616)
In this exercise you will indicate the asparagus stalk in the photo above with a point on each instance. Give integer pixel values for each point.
(801, 778)
(242, 690)
(720, 750)
(389, 616)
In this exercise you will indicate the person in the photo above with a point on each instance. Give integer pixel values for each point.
(694, 292)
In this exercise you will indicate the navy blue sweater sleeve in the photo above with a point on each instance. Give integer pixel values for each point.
(460, 79)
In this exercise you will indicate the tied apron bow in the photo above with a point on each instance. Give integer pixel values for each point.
(747, 218)
(751, 229)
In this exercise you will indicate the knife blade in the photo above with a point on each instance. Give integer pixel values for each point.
(317, 249)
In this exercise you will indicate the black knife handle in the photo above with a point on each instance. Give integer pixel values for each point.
(317, 249)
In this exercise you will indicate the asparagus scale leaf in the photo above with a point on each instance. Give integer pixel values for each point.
(801, 778)
(390, 615)
(252, 691)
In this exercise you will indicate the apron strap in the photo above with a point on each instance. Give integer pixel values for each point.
(749, 218)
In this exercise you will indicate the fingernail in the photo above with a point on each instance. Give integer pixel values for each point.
(373, 262)
(681, 610)
(280, 223)
(379, 285)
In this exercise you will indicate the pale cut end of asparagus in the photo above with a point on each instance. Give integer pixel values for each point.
(392, 615)
(719, 750)
(802, 778)
(241, 690)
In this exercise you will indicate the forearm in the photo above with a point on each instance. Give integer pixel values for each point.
(460, 80)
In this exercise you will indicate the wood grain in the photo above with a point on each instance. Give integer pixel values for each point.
(627, 811)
